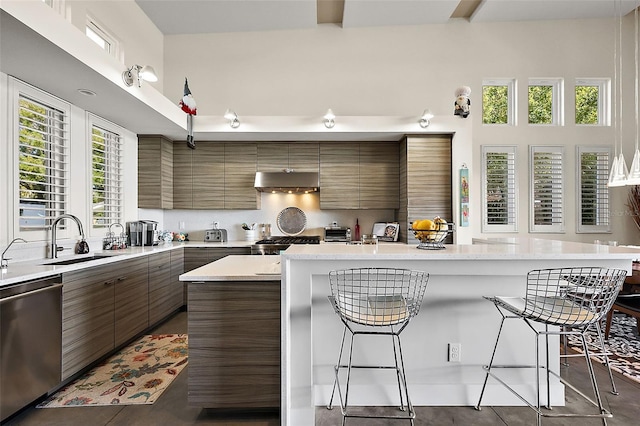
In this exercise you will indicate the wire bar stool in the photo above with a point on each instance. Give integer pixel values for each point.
(572, 299)
(375, 302)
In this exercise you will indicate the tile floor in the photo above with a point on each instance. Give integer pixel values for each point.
(171, 408)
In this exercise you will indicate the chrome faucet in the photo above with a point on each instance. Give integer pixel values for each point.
(54, 246)
(4, 262)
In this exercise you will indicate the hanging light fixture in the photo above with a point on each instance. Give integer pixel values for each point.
(329, 119)
(619, 172)
(634, 173)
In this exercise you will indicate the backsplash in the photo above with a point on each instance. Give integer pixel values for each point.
(197, 221)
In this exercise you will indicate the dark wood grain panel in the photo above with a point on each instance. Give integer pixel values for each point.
(131, 299)
(339, 175)
(240, 160)
(379, 175)
(182, 177)
(155, 172)
(87, 318)
(208, 176)
(234, 344)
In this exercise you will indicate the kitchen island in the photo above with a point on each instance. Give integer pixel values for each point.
(234, 333)
(453, 311)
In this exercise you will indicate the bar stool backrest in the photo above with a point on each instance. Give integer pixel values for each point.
(571, 296)
(377, 296)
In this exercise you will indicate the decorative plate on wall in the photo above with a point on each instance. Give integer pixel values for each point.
(291, 221)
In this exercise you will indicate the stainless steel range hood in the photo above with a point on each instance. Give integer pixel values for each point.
(287, 181)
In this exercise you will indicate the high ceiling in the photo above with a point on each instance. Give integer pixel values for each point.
(212, 16)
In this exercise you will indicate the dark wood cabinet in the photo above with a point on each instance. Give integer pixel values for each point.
(195, 257)
(155, 172)
(234, 344)
(166, 293)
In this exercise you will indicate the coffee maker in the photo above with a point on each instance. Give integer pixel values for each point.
(143, 233)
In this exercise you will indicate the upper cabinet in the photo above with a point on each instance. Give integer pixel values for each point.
(221, 175)
(215, 176)
(298, 156)
(359, 175)
(155, 172)
(426, 177)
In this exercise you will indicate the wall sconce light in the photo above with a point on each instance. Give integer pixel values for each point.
(425, 120)
(141, 73)
(233, 119)
(329, 119)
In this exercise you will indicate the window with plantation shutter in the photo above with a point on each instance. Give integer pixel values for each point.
(43, 158)
(592, 190)
(106, 173)
(499, 192)
(546, 212)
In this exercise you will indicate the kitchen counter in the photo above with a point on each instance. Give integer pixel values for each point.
(237, 268)
(453, 311)
(20, 271)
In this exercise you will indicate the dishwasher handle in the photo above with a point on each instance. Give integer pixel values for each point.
(29, 293)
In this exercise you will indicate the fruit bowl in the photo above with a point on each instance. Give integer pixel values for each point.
(431, 233)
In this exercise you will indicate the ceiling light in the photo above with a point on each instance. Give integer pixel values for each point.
(634, 172)
(140, 73)
(425, 120)
(329, 119)
(87, 92)
(233, 118)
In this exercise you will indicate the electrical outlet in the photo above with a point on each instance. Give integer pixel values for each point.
(454, 352)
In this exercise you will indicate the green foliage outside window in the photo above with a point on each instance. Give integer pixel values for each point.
(495, 103)
(98, 177)
(587, 104)
(540, 104)
(33, 170)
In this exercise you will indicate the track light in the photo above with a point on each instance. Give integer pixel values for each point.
(233, 119)
(425, 120)
(329, 119)
(141, 73)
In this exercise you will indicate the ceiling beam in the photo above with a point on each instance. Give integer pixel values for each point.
(330, 11)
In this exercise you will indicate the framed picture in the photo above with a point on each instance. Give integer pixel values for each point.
(390, 232)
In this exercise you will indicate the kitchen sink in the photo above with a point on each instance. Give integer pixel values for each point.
(82, 259)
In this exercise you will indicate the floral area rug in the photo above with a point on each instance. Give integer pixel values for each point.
(138, 374)
(623, 346)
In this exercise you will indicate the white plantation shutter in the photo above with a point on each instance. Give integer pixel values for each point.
(591, 187)
(499, 192)
(43, 157)
(546, 213)
(106, 175)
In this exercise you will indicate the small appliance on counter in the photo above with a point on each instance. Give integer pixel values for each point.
(337, 234)
(143, 233)
(215, 236)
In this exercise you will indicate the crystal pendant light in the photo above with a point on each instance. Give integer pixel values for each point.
(634, 173)
(619, 172)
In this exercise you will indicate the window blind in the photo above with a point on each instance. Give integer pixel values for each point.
(42, 163)
(593, 192)
(500, 189)
(547, 189)
(106, 177)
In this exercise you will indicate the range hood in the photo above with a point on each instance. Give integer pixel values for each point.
(287, 181)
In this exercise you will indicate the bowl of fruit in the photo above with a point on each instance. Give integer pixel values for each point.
(431, 232)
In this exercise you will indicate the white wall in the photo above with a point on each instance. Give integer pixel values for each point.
(140, 40)
(399, 71)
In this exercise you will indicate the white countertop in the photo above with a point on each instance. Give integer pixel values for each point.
(237, 268)
(19, 271)
(513, 248)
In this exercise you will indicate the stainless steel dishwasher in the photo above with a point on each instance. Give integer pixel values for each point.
(30, 342)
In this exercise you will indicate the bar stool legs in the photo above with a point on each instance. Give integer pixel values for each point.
(604, 414)
(603, 353)
(398, 367)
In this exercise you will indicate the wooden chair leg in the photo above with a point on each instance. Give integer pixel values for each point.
(608, 325)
